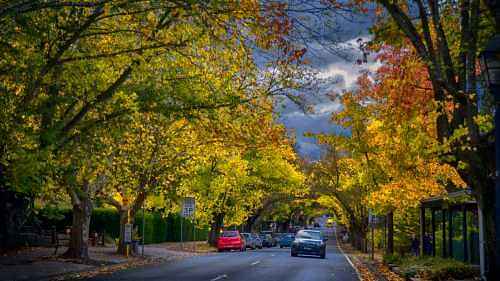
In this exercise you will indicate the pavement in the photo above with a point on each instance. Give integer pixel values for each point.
(272, 264)
(40, 263)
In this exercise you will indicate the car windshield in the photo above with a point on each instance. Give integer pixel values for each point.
(229, 234)
(309, 235)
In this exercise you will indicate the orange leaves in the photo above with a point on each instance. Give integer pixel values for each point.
(390, 159)
(400, 87)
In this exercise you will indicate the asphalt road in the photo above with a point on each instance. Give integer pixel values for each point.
(272, 264)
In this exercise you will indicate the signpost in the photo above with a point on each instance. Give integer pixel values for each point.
(127, 236)
(188, 211)
(188, 207)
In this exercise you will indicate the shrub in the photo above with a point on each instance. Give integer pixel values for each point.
(106, 220)
(392, 259)
(434, 268)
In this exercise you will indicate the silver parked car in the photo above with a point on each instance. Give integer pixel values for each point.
(250, 241)
(258, 241)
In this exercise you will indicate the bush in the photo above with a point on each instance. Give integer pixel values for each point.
(433, 268)
(392, 259)
(107, 220)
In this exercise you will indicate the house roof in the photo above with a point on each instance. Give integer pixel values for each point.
(461, 197)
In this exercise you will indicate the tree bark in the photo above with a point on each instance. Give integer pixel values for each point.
(79, 240)
(215, 229)
(126, 217)
(390, 233)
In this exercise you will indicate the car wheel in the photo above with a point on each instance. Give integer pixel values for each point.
(281, 246)
(220, 250)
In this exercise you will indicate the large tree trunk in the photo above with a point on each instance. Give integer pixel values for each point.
(358, 235)
(126, 217)
(487, 205)
(79, 240)
(390, 233)
(215, 228)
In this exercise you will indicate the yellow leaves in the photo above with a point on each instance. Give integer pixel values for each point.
(484, 122)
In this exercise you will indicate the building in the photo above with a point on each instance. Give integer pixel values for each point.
(449, 227)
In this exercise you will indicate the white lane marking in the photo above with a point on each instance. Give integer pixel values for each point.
(223, 276)
(347, 257)
(272, 255)
(255, 263)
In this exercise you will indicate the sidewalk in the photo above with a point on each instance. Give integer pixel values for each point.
(39, 263)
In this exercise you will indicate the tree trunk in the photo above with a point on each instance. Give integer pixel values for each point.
(127, 216)
(358, 234)
(390, 233)
(486, 203)
(215, 228)
(79, 240)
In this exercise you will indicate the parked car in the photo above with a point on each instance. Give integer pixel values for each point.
(309, 242)
(273, 242)
(258, 241)
(250, 241)
(231, 240)
(286, 240)
(276, 236)
(267, 240)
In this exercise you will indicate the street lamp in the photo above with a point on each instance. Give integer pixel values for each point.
(490, 64)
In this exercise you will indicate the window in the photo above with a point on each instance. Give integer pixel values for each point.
(309, 235)
(229, 234)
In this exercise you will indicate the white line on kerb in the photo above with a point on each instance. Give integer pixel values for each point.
(255, 263)
(223, 276)
(347, 257)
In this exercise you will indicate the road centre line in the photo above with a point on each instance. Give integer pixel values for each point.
(223, 276)
(255, 263)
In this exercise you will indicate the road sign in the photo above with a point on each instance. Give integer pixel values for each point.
(127, 237)
(188, 207)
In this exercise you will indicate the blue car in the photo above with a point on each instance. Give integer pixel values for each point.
(286, 240)
(309, 242)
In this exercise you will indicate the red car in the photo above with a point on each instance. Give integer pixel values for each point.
(231, 240)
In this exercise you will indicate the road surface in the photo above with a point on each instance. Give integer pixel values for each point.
(273, 264)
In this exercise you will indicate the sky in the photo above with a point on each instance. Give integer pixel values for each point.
(339, 72)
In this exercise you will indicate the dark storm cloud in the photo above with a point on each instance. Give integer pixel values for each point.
(331, 39)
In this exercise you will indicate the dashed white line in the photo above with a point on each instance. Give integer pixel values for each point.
(220, 277)
(255, 263)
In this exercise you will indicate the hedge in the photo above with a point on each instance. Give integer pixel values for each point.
(105, 220)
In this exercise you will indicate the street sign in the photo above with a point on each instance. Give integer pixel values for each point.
(188, 207)
(127, 237)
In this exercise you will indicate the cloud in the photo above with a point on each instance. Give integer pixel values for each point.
(332, 54)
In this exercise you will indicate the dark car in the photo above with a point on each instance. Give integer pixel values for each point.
(286, 240)
(267, 240)
(309, 242)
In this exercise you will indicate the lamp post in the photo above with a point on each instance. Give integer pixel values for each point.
(490, 64)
